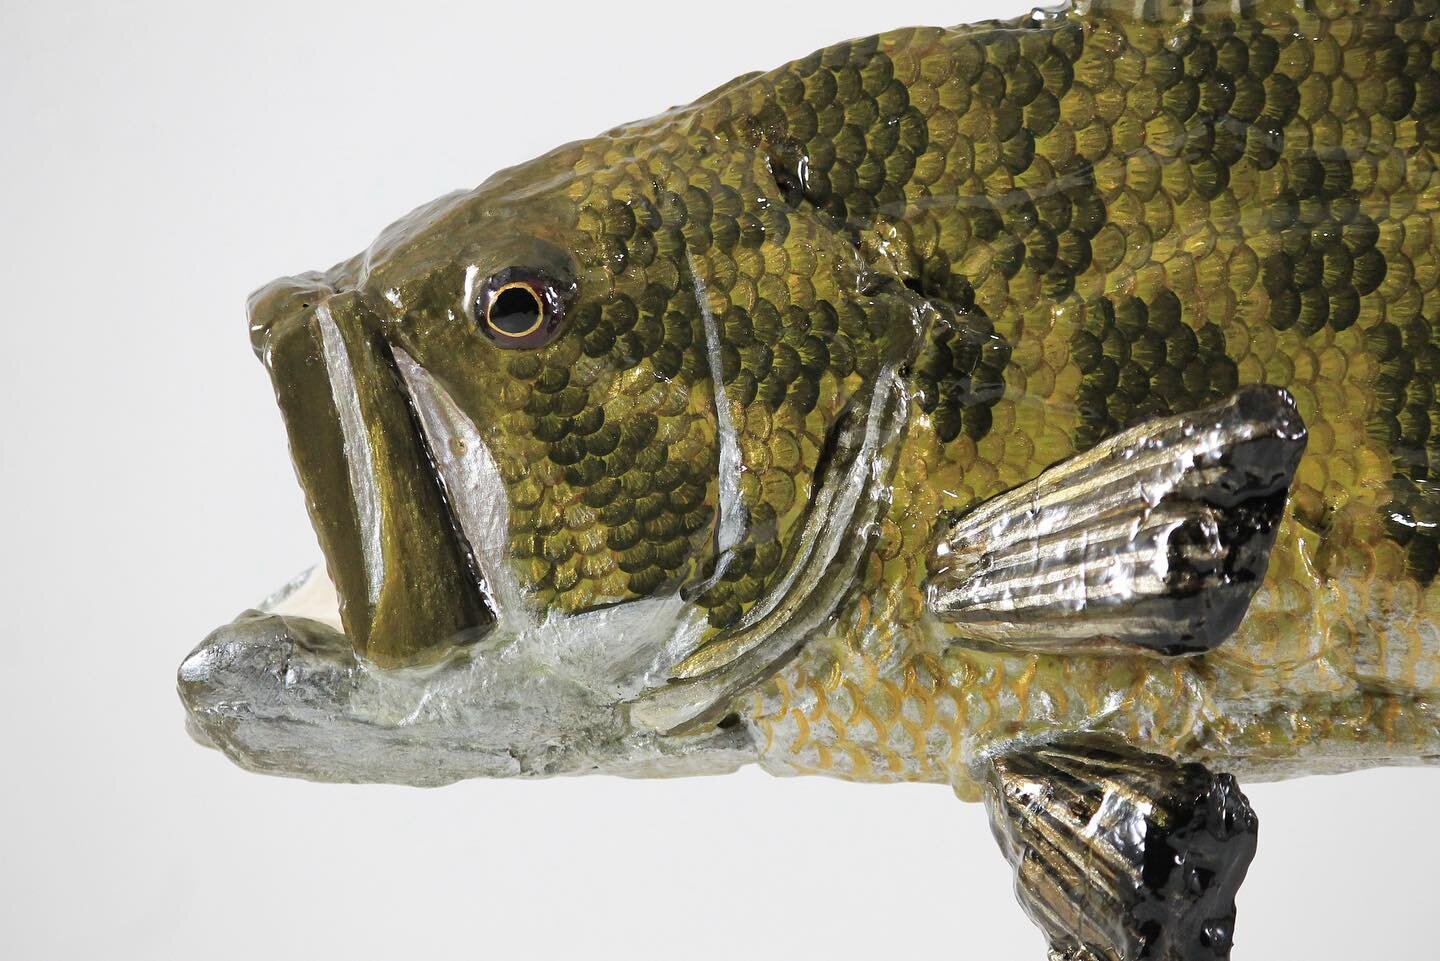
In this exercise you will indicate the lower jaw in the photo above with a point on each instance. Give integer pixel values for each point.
(280, 691)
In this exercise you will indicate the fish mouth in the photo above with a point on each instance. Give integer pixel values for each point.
(327, 678)
(280, 691)
(408, 582)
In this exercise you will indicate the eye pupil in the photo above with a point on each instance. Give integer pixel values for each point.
(515, 311)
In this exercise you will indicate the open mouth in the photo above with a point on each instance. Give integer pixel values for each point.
(382, 459)
(361, 670)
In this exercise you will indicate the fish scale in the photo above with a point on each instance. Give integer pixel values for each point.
(1049, 229)
(1041, 407)
(1243, 215)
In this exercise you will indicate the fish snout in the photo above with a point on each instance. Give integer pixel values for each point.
(262, 670)
(282, 301)
(252, 660)
(286, 695)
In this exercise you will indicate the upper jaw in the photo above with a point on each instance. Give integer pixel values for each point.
(408, 586)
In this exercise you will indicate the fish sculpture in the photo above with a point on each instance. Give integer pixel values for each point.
(1043, 407)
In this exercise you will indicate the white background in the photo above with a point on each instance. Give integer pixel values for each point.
(157, 162)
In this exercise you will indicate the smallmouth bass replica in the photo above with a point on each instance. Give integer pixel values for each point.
(1045, 408)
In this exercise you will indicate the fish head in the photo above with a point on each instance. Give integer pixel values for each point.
(513, 419)
(590, 451)
(502, 419)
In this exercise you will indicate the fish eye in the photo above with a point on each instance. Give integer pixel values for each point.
(520, 308)
(515, 311)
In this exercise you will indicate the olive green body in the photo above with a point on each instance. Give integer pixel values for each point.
(1148, 213)
(1048, 230)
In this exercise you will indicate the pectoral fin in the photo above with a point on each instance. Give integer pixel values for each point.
(1154, 541)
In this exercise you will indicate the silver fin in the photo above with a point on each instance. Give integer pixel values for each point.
(1121, 855)
(1154, 541)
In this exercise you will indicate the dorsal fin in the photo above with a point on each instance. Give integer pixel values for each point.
(1185, 11)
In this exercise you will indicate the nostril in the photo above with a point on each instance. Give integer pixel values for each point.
(281, 300)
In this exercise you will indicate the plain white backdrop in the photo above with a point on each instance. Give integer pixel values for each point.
(157, 162)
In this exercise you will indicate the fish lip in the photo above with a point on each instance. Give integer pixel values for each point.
(262, 667)
(404, 571)
(286, 695)
(197, 732)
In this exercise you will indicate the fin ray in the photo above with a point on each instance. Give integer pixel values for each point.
(1154, 540)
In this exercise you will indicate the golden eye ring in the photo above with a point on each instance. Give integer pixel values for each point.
(515, 310)
(522, 307)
